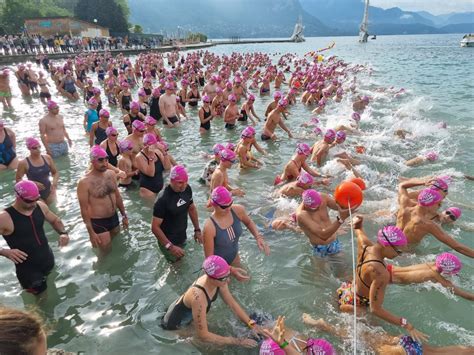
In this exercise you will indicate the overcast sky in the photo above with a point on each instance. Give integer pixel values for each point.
(436, 7)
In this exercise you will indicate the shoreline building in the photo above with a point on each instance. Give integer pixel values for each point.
(64, 25)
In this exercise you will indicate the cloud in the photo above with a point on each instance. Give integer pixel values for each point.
(436, 7)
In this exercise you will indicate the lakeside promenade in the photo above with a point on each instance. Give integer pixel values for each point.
(19, 58)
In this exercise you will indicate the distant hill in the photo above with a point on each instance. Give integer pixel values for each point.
(346, 15)
(224, 19)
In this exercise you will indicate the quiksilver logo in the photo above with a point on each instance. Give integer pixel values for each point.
(180, 202)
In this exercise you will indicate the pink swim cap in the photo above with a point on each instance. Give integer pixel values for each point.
(431, 156)
(134, 105)
(156, 92)
(218, 90)
(314, 120)
(248, 132)
(111, 130)
(311, 198)
(319, 347)
(238, 79)
(97, 152)
(125, 145)
(217, 148)
(206, 98)
(215, 267)
(339, 92)
(355, 116)
(221, 196)
(391, 235)
(276, 95)
(322, 103)
(303, 148)
(251, 97)
(270, 347)
(178, 99)
(330, 135)
(365, 99)
(283, 103)
(150, 121)
(141, 92)
(138, 125)
(149, 139)
(169, 86)
(304, 178)
(95, 91)
(455, 212)
(227, 155)
(448, 264)
(178, 173)
(27, 190)
(230, 146)
(441, 183)
(92, 101)
(104, 113)
(340, 136)
(318, 131)
(429, 197)
(32, 143)
(232, 98)
(51, 105)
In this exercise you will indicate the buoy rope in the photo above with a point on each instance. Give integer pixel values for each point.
(353, 281)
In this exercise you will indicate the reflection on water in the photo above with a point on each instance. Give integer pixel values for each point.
(114, 305)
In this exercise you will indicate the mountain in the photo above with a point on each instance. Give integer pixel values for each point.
(346, 16)
(225, 19)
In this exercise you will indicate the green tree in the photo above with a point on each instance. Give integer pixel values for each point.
(108, 13)
(14, 12)
(137, 29)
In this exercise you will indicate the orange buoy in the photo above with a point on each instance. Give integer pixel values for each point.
(348, 193)
(359, 182)
(360, 149)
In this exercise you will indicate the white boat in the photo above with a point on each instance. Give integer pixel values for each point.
(364, 26)
(467, 40)
(297, 35)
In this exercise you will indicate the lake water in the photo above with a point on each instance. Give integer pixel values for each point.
(115, 306)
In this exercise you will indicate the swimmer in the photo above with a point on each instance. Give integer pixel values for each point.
(220, 177)
(21, 225)
(38, 168)
(8, 158)
(272, 105)
(125, 163)
(313, 218)
(99, 198)
(44, 95)
(419, 160)
(385, 344)
(167, 105)
(151, 163)
(303, 182)
(274, 119)
(416, 221)
(196, 302)
(373, 277)
(231, 113)
(244, 149)
(5, 89)
(248, 111)
(222, 231)
(53, 132)
(170, 215)
(298, 163)
(320, 149)
(445, 265)
(97, 133)
(211, 165)
(205, 114)
(133, 115)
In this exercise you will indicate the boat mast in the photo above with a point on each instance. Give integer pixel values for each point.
(364, 26)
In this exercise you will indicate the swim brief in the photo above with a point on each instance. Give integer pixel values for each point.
(345, 295)
(327, 249)
(58, 149)
(264, 137)
(102, 225)
(411, 346)
(229, 126)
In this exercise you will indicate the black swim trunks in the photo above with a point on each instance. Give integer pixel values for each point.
(102, 225)
(229, 126)
(264, 137)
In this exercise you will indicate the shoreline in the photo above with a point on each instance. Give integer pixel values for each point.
(19, 58)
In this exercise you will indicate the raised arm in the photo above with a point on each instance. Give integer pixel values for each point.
(436, 230)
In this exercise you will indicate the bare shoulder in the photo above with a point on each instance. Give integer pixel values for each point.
(44, 208)
(239, 210)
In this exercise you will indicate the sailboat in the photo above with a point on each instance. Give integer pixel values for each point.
(364, 26)
(297, 35)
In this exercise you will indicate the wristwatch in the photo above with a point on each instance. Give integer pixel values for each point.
(403, 322)
(168, 246)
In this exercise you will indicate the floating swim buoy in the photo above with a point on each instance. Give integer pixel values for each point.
(348, 193)
(359, 182)
(360, 149)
